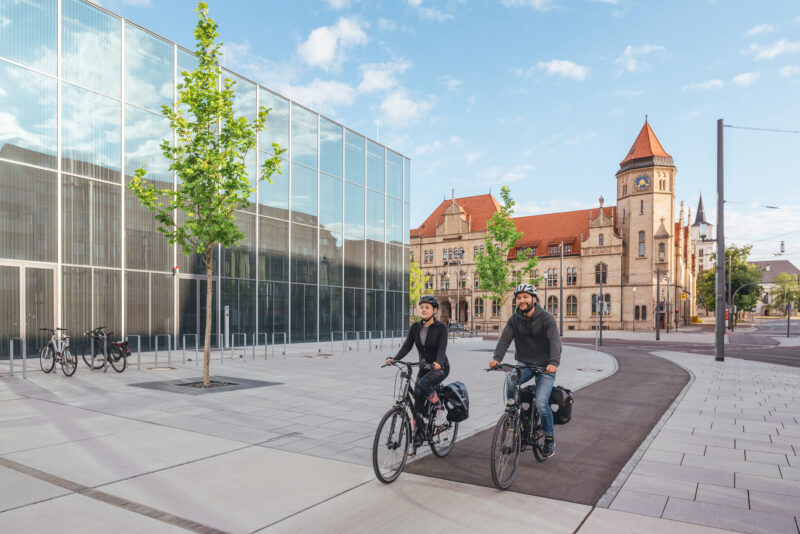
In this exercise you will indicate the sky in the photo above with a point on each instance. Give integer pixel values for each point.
(545, 96)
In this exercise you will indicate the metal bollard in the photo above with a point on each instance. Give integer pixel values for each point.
(233, 341)
(24, 350)
(138, 350)
(196, 347)
(169, 348)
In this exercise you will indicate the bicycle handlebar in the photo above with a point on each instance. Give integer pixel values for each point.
(422, 365)
(509, 367)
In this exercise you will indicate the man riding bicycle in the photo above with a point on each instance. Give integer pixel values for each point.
(537, 343)
(430, 337)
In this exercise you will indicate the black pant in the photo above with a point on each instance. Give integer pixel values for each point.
(426, 382)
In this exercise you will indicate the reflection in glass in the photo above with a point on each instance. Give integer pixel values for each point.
(375, 312)
(9, 311)
(274, 197)
(405, 260)
(304, 136)
(192, 311)
(354, 157)
(145, 247)
(304, 254)
(39, 295)
(107, 299)
(144, 133)
(244, 96)
(330, 313)
(354, 271)
(273, 310)
(187, 62)
(90, 134)
(330, 147)
(137, 306)
(406, 222)
(394, 174)
(394, 221)
(304, 313)
(375, 215)
(28, 104)
(331, 251)
(330, 203)
(28, 34)
(28, 213)
(394, 267)
(90, 47)
(76, 304)
(406, 180)
(376, 264)
(354, 210)
(161, 299)
(239, 261)
(304, 194)
(276, 129)
(240, 297)
(353, 311)
(91, 222)
(273, 250)
(148, 69)
(376, 165)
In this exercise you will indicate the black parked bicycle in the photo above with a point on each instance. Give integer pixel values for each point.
(519, 427)
(393, 437)
(57, 350)
(115, 353)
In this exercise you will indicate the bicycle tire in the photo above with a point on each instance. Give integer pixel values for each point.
(445, 438)
(501, 475)
(69, 362)
(118, 360)
(537, 438)
(47, 354)
(99, 361)
(396, 443)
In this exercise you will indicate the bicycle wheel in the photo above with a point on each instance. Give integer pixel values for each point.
(537, 438)
(99, 361)
(505, 450)
(69, 362)
(47, 358)
(118, 360)
(444, 439)
(390, 448)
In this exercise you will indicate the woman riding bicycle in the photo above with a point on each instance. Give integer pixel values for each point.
(430, 337)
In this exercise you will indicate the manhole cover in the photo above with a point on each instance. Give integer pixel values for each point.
(590, 370)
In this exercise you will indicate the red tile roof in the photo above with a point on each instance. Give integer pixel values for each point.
(551, 228)
(480, 208)
(645, 146)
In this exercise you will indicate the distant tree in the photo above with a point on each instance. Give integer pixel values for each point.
(209, 161)
(416, 283)
(786, 290)
(743, 275)
(497, 273)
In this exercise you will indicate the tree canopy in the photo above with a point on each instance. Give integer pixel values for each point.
(744, 278)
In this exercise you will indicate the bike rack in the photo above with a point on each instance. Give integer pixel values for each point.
(23, 346)
(221, 340)
(169, 348)
(105, 351)
(138, 349)
(233, 341)
(255, 342)
(196, 342)
(284, 344)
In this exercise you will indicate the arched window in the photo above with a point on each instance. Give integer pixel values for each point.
(644, 313)
(601, 239)
(495, 308)
(552, 304)
(426, 256)
(608, 303)
(600, 273)
(636, 313)
(478, 307)
(572, 306)
(481, 249)
(661, 250)
(444, 254)
(475, 252)
(476, 280)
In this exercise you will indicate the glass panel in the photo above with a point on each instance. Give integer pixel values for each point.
(273, 250)
(145, 247)
(304, 136)
(354, 262)
(193, 263)
(244, 96)
(90, 47)
(148, 69)
(239, 261)
(330, 147)
(375, 312)
(76, 304)
(144, 133)
(187, 62)
(273, 309)
(330, 205)
(353, 311)
(331, 251)
(39, 292)
(240, 296)
(137, 307)
(107, 297)
(304, 194)
(394, 221)
(28, 104)
(192, 309)
(28, 213)
(406, 223)
(276, 129)
(406, 180)
(330, 313)
(394, 268)
(354, 210)
(376, 269)
(91, 222)
(274, 197)
(90, 133)
(28, 33)
(394, 174)
(376, 166)
(375, 216)
(9, 311)
(304, 254)
(304, 313)
(161, 306)
(354, 157)
(391, 311)
(404, 260)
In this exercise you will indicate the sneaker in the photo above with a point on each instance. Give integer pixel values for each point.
(549, 448)
(441, 417)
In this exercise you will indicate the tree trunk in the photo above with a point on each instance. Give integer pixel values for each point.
(207, 341)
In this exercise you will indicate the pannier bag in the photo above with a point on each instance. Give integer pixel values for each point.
(456, 400)
(561, 401)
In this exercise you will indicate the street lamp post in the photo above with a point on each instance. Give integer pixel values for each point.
(667, 310)
(634, 309)
(658, 304)
(561, 293)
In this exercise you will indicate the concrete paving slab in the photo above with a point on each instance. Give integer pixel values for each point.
(790, 473)
(735, 466)
(723, 452)
(774, 502)
(666, 457)
(770, 485)
(766, 457)
(17, 489)
(722, 495)
(419, 504)
(603, 521)
(687, 473)
(660, 486)
(727, 517)
(639, 503)
(679, 446)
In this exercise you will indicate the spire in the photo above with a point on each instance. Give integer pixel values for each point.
(701, 213)
(645, 146)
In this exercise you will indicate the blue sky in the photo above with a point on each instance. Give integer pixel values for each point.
(545, 96)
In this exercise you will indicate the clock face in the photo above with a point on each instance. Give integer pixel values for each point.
(642, 182)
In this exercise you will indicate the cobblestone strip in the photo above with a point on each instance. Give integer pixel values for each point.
(113, 500)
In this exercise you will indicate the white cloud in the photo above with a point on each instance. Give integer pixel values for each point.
(432, 13)
(386, 25)
(631, 58)
(612, 2)
(428, 148)
(788, 71)
(761, 28)
(498, 174)
(455, 140)
(400, 109)
(710, 84)
(779, 48)
(752, 223)
(450, 82)
(567, 69)
(339, 4)
(746, 79)
(472, 157)
(4, 21)
(552, 206)
(538, 5)
(582, 138)
(381, 76)
(629, 93)
(325, 45)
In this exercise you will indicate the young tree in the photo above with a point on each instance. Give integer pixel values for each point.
(209, 162)
(743, 275)
(416, 283)
(786, 290)
(498, 275)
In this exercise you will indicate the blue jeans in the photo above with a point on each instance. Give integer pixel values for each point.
(544, 386)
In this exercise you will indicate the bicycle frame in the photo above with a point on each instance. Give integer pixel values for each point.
(515, 408)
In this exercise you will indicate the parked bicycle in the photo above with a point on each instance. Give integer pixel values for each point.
(105, 352)
(393, 436)
(57, 350)
(519, 427)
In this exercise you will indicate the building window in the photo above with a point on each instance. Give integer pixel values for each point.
(567, 249)
(636, 313)
(641, 207)
(552, 304)
(445, 282)
(572, 306)
(495, 308)
(700, 253)
(552, 277)
(572, 276)
(478, 307)
(641, 244)
(600, 273)
(412, 256)
(481, 249)
(444, 254)
(644, 313)
(475, 252)
(553, 250)
(595, 304)
(601, 239)
(476, 280)
(661, 248)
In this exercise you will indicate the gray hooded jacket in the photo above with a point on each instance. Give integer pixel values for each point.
(536, 338)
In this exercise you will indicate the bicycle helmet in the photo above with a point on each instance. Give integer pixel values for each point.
(526, 288)
(430, 299)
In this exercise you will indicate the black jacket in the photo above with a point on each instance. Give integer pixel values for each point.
(536, 338)
(435, 348)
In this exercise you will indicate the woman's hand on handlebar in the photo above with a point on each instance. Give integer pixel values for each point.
(436, 366)
(389, 361)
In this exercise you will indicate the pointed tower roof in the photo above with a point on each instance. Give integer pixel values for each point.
(646, 150)
(701, 213)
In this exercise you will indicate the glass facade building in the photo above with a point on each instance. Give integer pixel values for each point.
(81, 90)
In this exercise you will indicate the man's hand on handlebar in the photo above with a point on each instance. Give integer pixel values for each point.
(551, 369)
(493, 364)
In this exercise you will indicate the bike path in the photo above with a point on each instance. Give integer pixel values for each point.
(610, 420)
